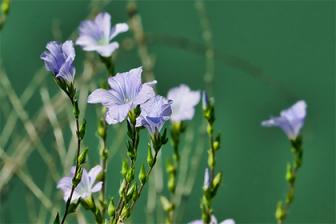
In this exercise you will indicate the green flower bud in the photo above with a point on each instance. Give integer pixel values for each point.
(125, 213)
(150, 160)
(130, 174)
(101, 130)
(166, 204)
(280, 213)
(211, 159)
(290, 176)
(82, 156)
(76, 109)
(111, 209)
(121, 188)
(124, 168)
(88, 203)
(82, 130)
(130, 191)
(216, 182)
(78, 177)
(172, 183)
(142, 175)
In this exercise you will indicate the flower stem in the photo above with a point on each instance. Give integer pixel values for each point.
(291, 174)
(74, 103)
(133, 133)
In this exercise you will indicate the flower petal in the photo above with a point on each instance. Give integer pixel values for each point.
(117, 113)
(93, 173)
(146, 92)
(102, 96)
(103, 21)
(97, 187)
(117, 29)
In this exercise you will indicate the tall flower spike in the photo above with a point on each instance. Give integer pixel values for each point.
(96, 35)
(125, 94)
(154, 113)
(184, 102)
(58, 59)
(290, 120)
(86, 186)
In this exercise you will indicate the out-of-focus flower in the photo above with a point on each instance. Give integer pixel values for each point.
(96, 35)
(290, 120)
(125, 94)
(184, 102)
(214, 221)
(85, 187)
(154, 113)
(58, 59)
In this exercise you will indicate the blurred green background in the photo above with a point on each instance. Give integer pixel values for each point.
(270, 54)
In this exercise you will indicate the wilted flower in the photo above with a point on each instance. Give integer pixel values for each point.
(58, 59)
(184, 102)
(84, 188)
(95, 35)
(214, 221)
(154, 113)
(290, 121)
(125, 94)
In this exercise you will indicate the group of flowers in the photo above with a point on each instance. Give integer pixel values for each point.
(127, 92)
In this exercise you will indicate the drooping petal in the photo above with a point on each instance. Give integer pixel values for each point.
(146, 92)
(97, 187)
(106, 50)
(117, 29)
(117, 113)
(102, 96)
(93, 173)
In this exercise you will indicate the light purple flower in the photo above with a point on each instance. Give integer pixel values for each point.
(214, 221)
(58, 59)
(86, 186)
(96, 35)
(125, 94)
(154, 113)
(290, 121)
(184, 102)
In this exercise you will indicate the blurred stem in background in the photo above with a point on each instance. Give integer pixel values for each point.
(172, 167)
(211, 180)
(102, 133)
(291, 173)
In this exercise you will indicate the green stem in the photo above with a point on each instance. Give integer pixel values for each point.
(291, 174)
(75, 106)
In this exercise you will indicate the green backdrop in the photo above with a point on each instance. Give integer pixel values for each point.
(271, 53)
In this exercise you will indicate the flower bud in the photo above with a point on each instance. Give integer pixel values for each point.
(111, 208)
(142, 175)
(124, 168)
(82, 156)
(166, 204)
(280, 213)
(211, 159)
(82, 130)
(150, 160)
(78, 177)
